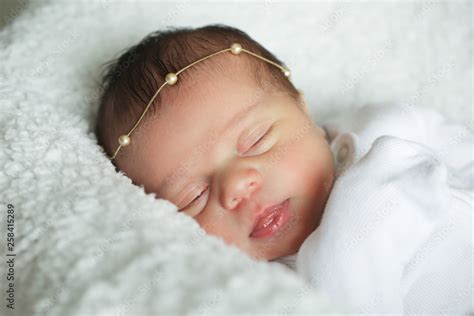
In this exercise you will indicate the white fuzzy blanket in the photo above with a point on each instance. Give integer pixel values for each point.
(89, 242)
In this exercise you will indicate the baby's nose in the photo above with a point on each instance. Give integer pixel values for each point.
(239, 186)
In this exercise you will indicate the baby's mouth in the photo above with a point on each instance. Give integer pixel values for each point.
(271, 220)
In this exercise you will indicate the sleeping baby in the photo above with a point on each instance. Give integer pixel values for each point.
(209, 119)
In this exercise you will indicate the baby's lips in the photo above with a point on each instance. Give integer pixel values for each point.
(266, 219)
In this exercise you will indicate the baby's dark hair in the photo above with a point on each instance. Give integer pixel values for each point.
(133, 78)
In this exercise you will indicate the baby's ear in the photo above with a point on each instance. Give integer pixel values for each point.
(302, 102)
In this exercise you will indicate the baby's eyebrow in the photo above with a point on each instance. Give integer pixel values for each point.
(241, 115)
(234, 121)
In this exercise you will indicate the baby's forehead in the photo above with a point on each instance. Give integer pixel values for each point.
(213, 93)
(209, 107)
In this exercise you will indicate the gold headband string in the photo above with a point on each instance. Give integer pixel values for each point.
(172, 78)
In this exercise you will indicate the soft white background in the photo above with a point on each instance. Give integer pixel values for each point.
(92, 243)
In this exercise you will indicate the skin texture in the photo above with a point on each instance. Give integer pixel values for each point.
(202, 144)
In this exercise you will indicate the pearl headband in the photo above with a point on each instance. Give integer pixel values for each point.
(172, 78)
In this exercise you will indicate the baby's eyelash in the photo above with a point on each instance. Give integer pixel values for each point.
(195, 199)
(263, 137)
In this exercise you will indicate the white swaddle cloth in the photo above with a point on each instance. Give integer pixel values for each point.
(396, 234)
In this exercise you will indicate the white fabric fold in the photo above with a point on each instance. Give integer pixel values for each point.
(396, 234)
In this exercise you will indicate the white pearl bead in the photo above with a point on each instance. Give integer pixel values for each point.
(236, 48)
(287, 72)
(124, 140)
(171, 78)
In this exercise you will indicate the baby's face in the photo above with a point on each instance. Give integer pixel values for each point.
(226, 150)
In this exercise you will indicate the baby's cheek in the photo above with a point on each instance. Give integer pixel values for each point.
(215, 224)
(302, 165)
